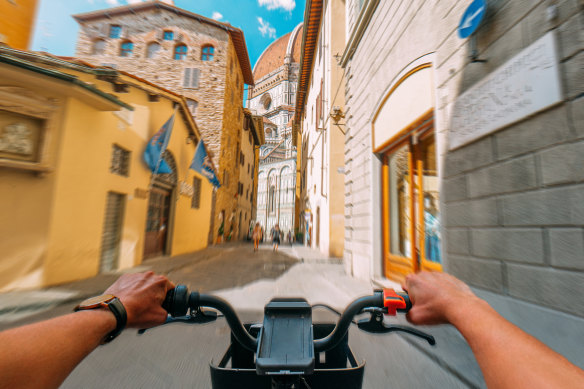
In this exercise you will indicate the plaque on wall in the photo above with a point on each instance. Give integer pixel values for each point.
(20, 136)
(524, 85)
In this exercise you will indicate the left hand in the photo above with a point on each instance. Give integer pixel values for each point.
(142, 295)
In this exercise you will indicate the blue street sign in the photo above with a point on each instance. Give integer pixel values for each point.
(472, 18)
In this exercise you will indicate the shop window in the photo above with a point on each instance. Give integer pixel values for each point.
(98, 47)
(152, 50)
(180, 52)
(120, 163)
(411, 215)
(126, 49)
(115, 31)
(207, 53)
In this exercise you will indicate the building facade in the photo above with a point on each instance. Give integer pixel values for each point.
(273, 97)
(16, 23)
(320, 109)
(204, 60)
(458, 153)
(81, 199)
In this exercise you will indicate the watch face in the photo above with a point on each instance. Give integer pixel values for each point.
(96, 301)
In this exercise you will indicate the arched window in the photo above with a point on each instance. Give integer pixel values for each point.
(207, 53)
(180, 52)
(98, 47)
(126, 49)
(152, 50)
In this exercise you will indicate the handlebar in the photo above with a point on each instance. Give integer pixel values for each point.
(387, 301)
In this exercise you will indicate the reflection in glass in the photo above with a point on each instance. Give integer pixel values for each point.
(399, 203)
(431, 200)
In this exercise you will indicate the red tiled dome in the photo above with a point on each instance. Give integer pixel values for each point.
(273, 56)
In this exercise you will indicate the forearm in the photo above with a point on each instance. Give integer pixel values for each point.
(509, 357)
(43, 354)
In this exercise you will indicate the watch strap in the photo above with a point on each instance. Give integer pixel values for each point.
(119, 312)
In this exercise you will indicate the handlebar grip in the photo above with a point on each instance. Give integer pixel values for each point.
(176, 301)
(407, 300)
(396, 302)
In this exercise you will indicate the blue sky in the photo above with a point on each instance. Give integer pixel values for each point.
(262, 21)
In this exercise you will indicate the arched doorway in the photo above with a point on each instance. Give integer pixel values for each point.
(160, 211)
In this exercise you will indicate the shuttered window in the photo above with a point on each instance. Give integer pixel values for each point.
(120, 163)
(191, 78)
(196, 200)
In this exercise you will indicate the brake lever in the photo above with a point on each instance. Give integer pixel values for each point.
(198, 317)
(375, 325)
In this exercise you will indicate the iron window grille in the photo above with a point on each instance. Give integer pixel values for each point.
(196, 200)
(120, 163)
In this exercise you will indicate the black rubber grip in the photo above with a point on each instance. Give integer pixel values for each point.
(406, 298)
(176, 301)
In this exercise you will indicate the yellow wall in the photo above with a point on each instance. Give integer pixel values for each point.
(58, 218)
(16, 22)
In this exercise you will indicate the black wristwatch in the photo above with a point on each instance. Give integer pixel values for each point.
(114, 304)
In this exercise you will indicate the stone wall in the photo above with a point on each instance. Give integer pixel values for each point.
(147, 26)
(512, 202)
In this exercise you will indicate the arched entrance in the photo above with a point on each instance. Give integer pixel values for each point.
(160, 211)
(404, 138)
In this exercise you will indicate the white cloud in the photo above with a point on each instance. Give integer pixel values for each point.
(134, 1)
(287, 5)
(217, 16)
(112, 2)
(265, 28)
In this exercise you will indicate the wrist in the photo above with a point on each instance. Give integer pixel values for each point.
(465, 310)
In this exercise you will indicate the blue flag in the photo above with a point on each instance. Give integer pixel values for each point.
(156, 146)
(202, 164)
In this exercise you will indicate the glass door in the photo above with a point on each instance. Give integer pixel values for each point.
(411, 214)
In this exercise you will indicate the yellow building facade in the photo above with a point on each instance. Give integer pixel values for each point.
(16, 22)
(77, 196)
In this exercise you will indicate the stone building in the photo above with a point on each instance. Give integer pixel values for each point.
(273, 97)
(465, 154)
(320, 105)
(202, 59)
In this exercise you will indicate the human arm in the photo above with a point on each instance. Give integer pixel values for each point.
(41, 355)
(507, 356)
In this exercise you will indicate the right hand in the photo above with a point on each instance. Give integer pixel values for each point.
(436, 297)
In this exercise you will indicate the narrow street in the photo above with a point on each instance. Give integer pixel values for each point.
(178, 355)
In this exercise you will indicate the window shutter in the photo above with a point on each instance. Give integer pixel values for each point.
(195, 78)
(187, 79)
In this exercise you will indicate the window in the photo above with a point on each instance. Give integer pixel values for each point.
(192, 104)
(196, 200)
(115, 31)
(207, 53)
(152, 50)
(120, 163)
(126, 49)
(191, 78)
(98, 47)
(168, 35)
(411, 204)
(272, 199)
(180, 52)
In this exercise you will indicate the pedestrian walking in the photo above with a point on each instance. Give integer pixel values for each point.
(276, 237)
(256, 235)
(290, 237)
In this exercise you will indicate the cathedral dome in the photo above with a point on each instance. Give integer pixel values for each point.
(275, 54)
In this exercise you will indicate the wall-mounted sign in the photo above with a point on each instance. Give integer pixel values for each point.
(141, 193)
(472, 18)
(527, 83)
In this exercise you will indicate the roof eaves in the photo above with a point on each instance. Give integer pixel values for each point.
(13, 61)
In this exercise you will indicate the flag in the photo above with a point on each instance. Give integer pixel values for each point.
(202, 164)
(156, 146)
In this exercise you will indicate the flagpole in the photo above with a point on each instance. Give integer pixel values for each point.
(160, 156)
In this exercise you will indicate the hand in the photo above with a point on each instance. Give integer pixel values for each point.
(435, 297)
(142, 295)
